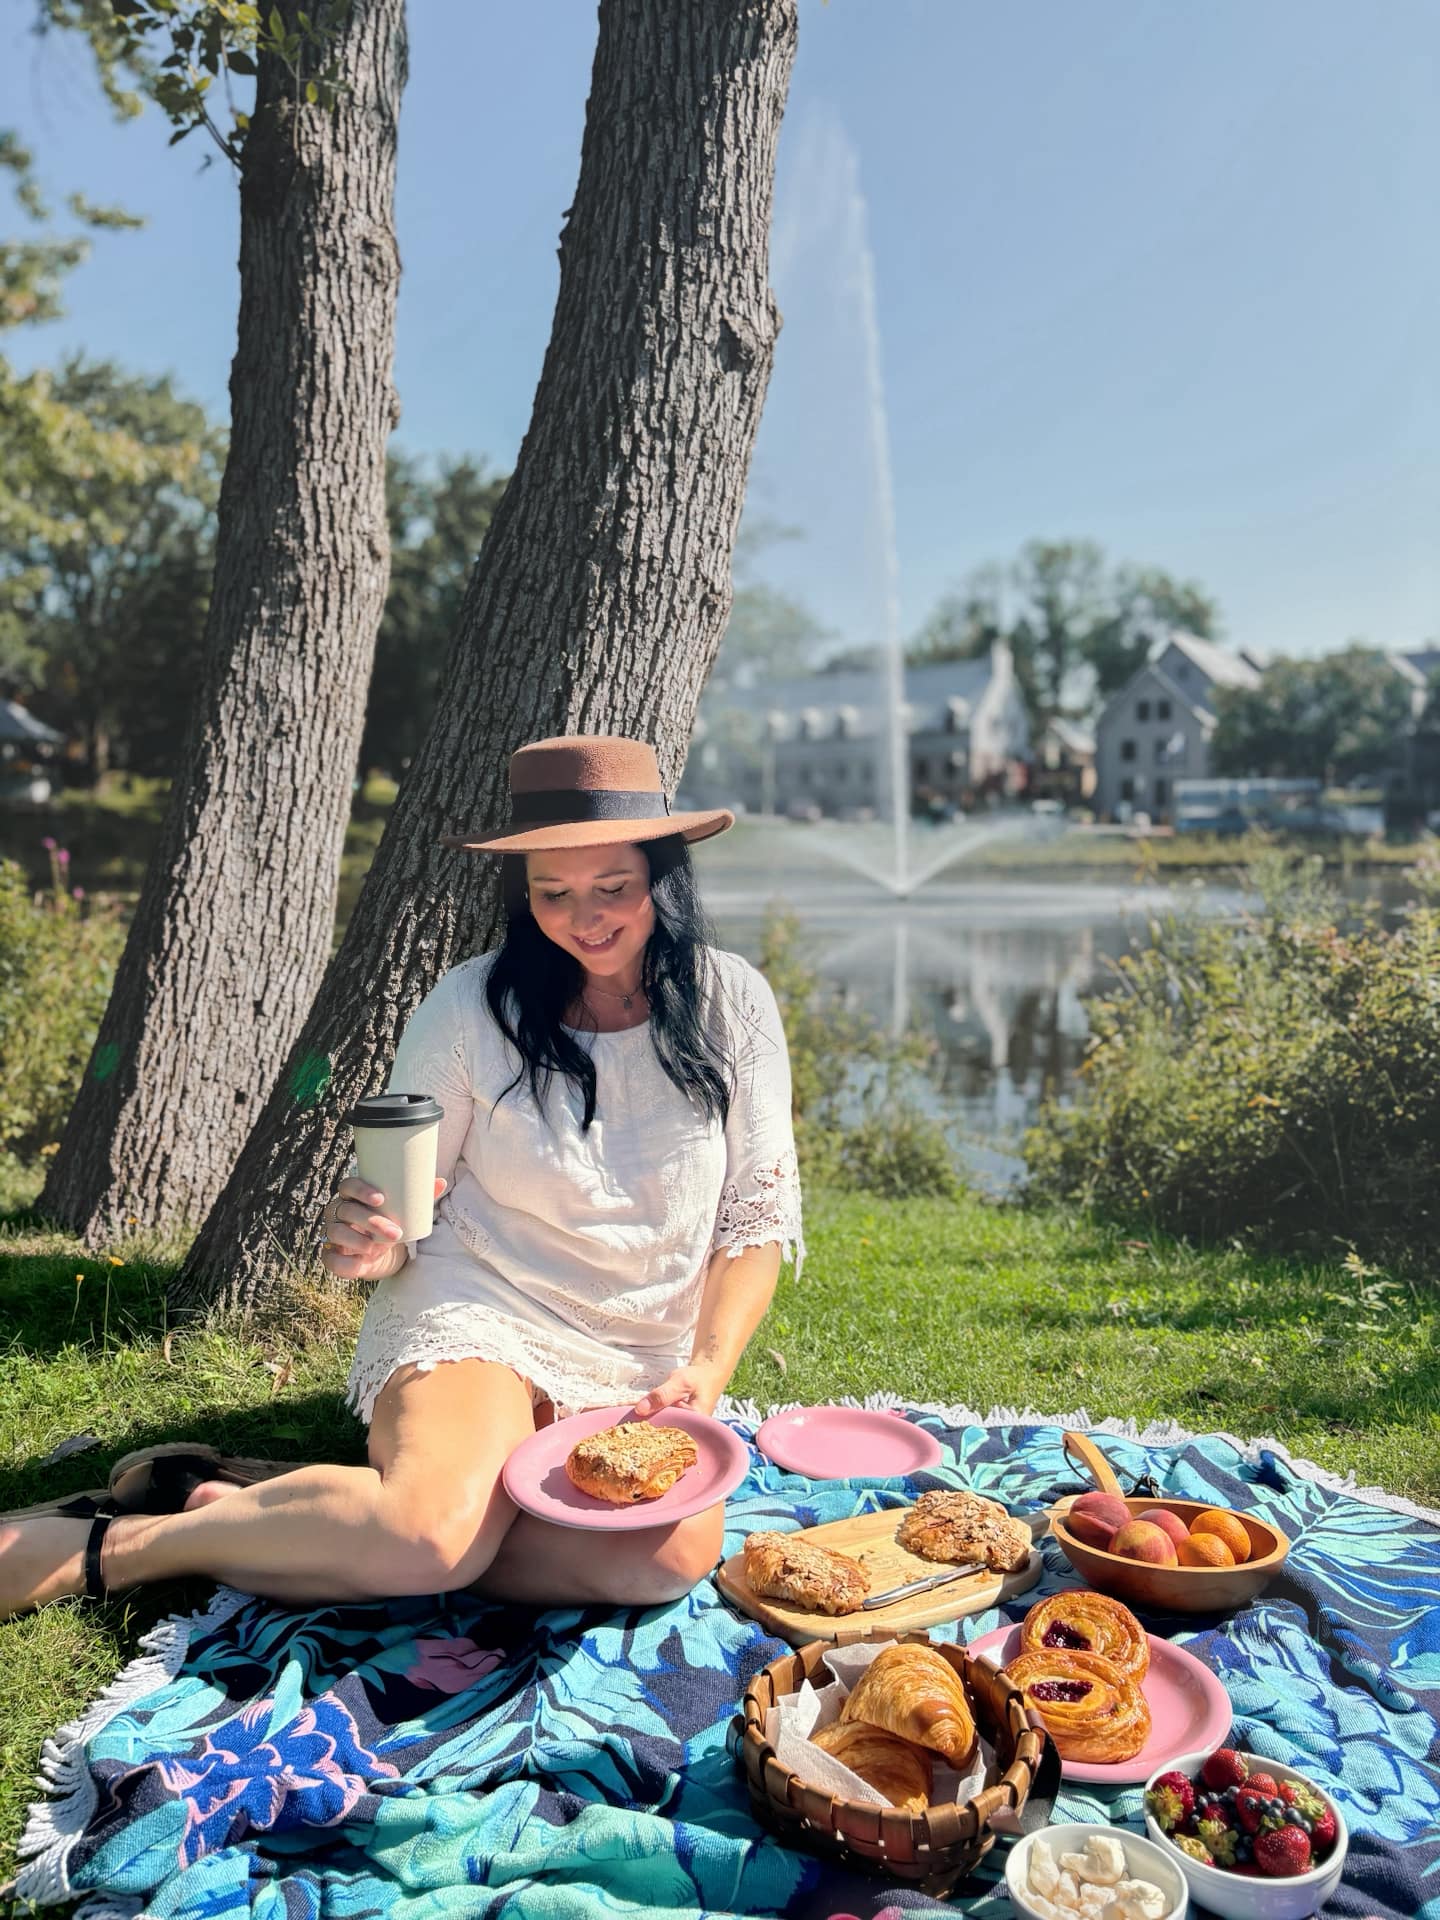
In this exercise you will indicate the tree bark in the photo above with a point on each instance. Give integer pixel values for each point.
(236, 916)
(602, 590)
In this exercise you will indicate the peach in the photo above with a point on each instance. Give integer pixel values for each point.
(1141, 1541)
(1226, 1526)
(1091, 1529)
(1106, 1507)
(1167, 1522)
(1203, 1550)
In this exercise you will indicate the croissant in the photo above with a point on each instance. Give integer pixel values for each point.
(631, 1462)
(914, 1692)
(1080, 1621)
(952, 1525)
(782, 1568)
(1090, 1709)
(896, 1768)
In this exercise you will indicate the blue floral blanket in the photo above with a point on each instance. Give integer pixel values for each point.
(448, 1757)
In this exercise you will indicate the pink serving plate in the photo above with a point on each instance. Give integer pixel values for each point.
(1188, 1706)
(535, 1476)
(842, 1443)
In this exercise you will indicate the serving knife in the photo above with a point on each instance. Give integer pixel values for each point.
(922, 1586)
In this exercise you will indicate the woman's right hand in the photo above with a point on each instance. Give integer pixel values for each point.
(362, 1241)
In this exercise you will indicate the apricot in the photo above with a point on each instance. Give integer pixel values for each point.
(1142, 1541)
(1167, 1522)
(1203, 1550)
(1226, 1526)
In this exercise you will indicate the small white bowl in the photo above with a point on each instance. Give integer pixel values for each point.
(1238, 1896)
(1143, 1861)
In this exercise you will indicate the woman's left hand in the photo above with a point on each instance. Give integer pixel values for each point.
(692, 1386)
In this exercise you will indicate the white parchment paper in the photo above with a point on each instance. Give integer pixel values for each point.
(796, 1716)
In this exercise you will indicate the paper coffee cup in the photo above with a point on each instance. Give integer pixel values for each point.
(395, 1138)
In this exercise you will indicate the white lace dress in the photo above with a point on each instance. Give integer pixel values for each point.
(579, 1258)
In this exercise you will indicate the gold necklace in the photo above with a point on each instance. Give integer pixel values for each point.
(624, 998)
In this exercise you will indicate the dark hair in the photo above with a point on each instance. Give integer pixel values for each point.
(533, 981)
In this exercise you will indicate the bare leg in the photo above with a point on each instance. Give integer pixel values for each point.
(539, 1564)
(427, 1515)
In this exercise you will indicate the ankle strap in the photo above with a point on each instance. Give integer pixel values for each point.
(94, 1579)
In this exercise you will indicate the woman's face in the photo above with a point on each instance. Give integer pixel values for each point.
(595, 903)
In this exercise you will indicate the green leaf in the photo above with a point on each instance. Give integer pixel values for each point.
(276, 26)
(181, 132)
(312, 92)
(240, 63)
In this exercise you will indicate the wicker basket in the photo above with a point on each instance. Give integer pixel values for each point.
(933, 1850)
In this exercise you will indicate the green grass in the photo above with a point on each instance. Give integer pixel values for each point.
(936, 1300)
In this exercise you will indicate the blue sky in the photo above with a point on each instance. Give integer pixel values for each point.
(1157, 272)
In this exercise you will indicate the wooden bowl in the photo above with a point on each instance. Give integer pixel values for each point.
(1173, 1589)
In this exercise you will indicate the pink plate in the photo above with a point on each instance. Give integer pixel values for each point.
(535, 1476)
(840, 1443)
(1189, 1709)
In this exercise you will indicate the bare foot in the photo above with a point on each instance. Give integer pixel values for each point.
(40, 1561)
(208, 1492)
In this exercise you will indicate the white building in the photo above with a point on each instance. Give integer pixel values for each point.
(1157, 729)
(822, 742)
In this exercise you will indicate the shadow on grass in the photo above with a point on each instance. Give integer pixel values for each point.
(300, 1429)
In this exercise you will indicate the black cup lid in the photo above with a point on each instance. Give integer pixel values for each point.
(397, 1110)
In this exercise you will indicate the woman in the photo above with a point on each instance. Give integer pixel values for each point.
(618, 1184)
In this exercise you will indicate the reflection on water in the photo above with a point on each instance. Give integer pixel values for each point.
(997, 971)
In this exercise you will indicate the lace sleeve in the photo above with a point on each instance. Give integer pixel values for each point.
(760, 1198)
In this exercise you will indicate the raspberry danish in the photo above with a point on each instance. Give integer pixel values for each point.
(1091, 1710)
(1080, 1621)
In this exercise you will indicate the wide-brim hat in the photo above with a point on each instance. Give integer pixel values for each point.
(587, 790)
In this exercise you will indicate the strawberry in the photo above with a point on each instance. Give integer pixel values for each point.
(1171, 1801)
(1225, 1768)
(1265, 1783)
(1322, 1837)
(1284, 1852)
(1249, 1810)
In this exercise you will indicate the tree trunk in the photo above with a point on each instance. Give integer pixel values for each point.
(236, 916)
(603, 587)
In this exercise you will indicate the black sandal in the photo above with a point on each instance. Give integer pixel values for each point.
(161, 1479)
(95, 1586)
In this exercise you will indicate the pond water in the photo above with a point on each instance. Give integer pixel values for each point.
(997, 968)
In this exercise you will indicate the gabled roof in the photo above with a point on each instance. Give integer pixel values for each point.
(1222, 668)
(18, 723)
(929, 691)
(1150, 671)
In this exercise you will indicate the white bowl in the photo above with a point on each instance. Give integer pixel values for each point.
(1237, 1896)
(1143, 1861)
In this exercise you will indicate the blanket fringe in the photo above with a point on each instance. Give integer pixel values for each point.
(1157, 1433)
(55, 1823)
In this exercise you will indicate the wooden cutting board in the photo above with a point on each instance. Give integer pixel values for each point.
(870, 1539)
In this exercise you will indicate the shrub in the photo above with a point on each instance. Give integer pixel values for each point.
(57, 961)
(857, 1121)
(1270, 1077)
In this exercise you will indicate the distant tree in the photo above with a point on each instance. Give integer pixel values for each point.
(1147, 606)
(1330, 719)
(1077, 627)
(437, 521)
(603, 586)
(104, 568)
(769, 633)
(965, 623)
